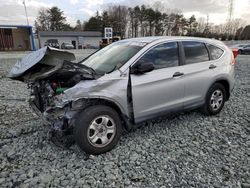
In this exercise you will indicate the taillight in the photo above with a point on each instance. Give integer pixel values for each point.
(235, 52)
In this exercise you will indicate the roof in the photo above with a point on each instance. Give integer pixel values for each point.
(159, 38)
(15, 26)
(70, 34)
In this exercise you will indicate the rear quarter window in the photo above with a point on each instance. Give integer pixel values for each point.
(215, 52)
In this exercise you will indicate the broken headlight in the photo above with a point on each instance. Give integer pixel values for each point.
(61, 101)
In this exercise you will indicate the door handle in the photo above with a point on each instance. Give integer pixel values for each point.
(212, 66)
(178, 74)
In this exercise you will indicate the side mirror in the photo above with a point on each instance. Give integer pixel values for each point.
(142, 68)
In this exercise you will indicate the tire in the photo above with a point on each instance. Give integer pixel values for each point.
(240, 52)
(215, 99)
(98, 129)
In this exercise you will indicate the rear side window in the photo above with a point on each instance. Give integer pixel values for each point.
(162, 56)
(195, 52)
(215, 52)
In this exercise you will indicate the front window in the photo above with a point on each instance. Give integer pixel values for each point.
(162, 56)
(113, 56)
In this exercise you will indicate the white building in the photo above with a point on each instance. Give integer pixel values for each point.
(82, 39)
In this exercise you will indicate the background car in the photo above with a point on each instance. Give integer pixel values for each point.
(67, 45)
(53, 43)
(245, 50)
(240, 48)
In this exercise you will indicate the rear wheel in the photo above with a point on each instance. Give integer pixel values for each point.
(98, 129)
(215, 99)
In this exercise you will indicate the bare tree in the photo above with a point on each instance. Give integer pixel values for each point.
(43, 20)
(118, 19)
(201, 25)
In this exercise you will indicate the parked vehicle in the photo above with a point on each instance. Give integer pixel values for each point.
(125, 83)
(67, 45)
(245, 50)
(239, 47)
(53, 43)
(105, 42)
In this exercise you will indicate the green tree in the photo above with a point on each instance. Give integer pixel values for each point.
(142, 19)
(192, 25)
(238, 33)
(51, 19)
(183, 25)
(57, 19)
(42, 22)
(95, 23)
(118, 19)
(131, 15)
(245, 35)
(105, 20)
(150, 18)
(158, 23)
(79, 26)
(177, 22)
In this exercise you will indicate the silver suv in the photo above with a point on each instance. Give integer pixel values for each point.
(125, 83)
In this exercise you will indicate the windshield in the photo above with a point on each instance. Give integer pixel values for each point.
(112, 57)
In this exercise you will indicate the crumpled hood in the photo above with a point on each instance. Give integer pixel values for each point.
(46, 55)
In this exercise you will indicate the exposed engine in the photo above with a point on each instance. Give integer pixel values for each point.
(48, 73)
(45, 91)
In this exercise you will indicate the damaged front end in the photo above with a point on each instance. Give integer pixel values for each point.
(48, 73)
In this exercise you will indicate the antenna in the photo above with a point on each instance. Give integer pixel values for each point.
(26, 12)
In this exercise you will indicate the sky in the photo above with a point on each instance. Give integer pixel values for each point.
(12, 11)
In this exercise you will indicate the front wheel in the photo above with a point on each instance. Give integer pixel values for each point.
(215, 99)
(98, 129)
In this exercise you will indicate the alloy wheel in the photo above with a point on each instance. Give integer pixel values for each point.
(101, 131)
(216, 99)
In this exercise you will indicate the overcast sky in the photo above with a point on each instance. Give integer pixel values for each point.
(12, 11)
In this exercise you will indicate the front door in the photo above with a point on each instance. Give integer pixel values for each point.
(162, 89)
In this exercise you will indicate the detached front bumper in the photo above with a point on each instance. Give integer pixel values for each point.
(38, 112)
(61, 122)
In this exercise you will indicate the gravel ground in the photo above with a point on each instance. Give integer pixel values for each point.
(187, 150)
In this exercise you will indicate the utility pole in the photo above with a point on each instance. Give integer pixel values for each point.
(230, 16)
(26, 12)
(230, 10)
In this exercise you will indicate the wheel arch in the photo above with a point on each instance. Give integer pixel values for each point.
(226, 85)
(110, 103)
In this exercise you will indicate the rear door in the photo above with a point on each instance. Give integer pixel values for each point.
(198, 70)
(160, 90)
